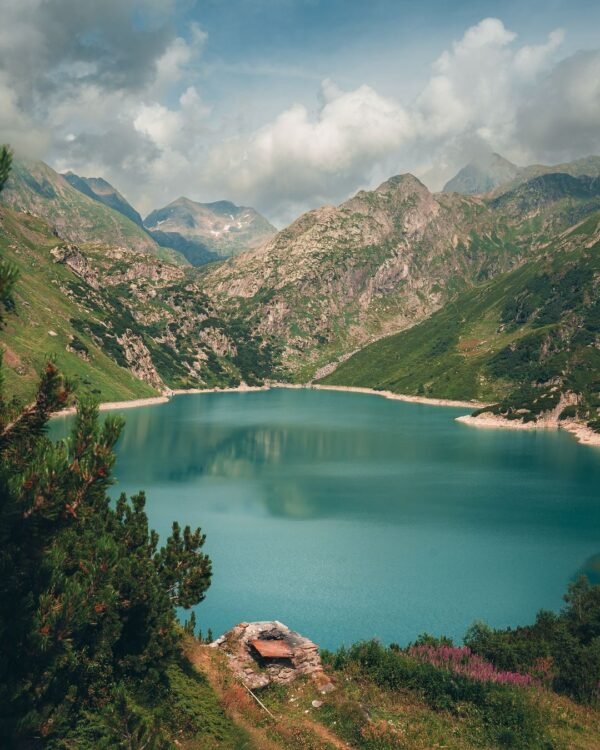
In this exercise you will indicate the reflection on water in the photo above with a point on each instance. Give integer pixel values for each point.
(354, 516)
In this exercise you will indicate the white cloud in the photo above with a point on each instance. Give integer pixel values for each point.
(300, 155)
(126, 103)
(472, 101)
(561, 118)
(85, 88)
(171, 65)
(529, 60)
(16, 127)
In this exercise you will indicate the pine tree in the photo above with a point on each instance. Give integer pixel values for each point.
(8, 273)
(190, 625)
(5, 165)
(87, 598)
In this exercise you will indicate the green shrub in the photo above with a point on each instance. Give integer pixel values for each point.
(507, 714)
(569, 412)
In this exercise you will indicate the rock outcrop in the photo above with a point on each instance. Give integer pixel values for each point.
(256, 672)
(72, 257)
(138, 358)
(148, 271)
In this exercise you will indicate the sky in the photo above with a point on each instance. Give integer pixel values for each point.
(285, 105)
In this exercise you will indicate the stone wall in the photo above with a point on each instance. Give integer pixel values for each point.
(256, 672)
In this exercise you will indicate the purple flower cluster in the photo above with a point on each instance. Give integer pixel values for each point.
(464, 662)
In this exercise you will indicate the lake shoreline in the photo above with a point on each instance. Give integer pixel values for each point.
(581, 432)
(390, 395)
(135, 403)
(168, 394)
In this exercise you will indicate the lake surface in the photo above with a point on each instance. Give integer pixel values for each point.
(349, 516)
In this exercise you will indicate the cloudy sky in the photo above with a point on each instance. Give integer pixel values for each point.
(288, 104)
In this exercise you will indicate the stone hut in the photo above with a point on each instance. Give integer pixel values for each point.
(261, 653)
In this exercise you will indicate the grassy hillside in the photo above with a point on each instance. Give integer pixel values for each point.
(532, 687)
(522, 339)
(100, 190)
(385, 699)
(42, 323)
(35, 187)
(122, 324)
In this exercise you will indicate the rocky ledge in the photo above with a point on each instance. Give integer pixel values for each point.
(296, 655)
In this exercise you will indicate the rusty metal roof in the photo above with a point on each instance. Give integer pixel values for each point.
(272, 649)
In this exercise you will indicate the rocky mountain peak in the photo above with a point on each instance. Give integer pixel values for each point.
(102, 191)
(482, 174)
(404, 182)
(208, 231)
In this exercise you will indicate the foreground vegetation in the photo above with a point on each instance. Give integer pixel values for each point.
(87, 599)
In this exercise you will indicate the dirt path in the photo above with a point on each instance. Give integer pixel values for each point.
(202, 659)
(325, 734)
(239, 705)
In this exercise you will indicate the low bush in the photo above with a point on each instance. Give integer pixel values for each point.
(507, 714)
(563, 649)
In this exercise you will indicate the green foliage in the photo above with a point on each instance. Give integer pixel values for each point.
(184, 572)
(509, 717)
(5, 165)
(87, 599)
(121, 723)
(8, 273)
(426, 639)
(562, 650)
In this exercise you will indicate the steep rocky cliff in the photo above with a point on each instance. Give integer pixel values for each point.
(340, 276)
(120, 323)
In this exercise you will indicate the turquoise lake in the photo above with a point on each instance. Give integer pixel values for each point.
(349, 516)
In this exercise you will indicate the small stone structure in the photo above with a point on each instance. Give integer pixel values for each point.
(261, 653)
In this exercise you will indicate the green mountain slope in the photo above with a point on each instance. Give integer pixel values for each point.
(522, 340)
(569, 199)
(100, 190)
(121, 323)
(38, 189)
(41, 325)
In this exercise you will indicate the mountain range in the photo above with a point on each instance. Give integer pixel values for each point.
(487, 290)
(102, 191)
(201, 232)
(489, 173)
(208, 231)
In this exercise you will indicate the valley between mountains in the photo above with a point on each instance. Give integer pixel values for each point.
(488, 291)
